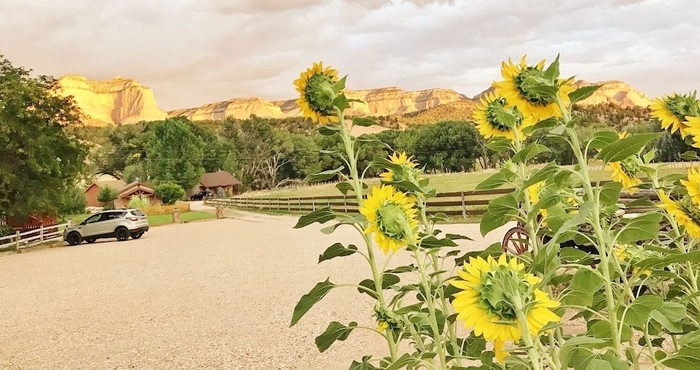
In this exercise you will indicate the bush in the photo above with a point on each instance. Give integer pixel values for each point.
(6, 230)
(160, 209)
(139, 201)
(170, 192)
(72, 202)
(106, 196)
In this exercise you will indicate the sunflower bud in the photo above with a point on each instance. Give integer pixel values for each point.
(496, 118)
(392, 218)
(403, 173)
(673, 111)
(317, 93)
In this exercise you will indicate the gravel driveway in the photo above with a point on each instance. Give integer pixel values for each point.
(208, 295)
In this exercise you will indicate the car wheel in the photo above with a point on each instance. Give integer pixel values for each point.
(74, 238)
(137, 235)
(122, 234)
(90, 240)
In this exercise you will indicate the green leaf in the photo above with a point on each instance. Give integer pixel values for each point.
(690, 156)
(457, 236)
(603, 138)
(543, 124)
(643, 227)
(491, 221)
(433, 242)
(402, 269)
(439, 217)
(658, 262)
(670, 316)
(387, 281)
(578, 219)
(687, 358)
(363, 121)
(323, 176)
(310, 299)
(626, 147)
(499, 144)
(542, 174)
(552, 72)
(341, 102)
(584, 285)
(364, 365)
(637, 314)
(582, 93)
(403, 362)
(328, 130)
(337, 250)
(597, 364)
(610, 193)
(321, 216)
(529, 152)
(496, 180)
(335, 331)
(344, 187)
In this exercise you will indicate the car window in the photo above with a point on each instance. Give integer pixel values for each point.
(115, 215)
(137, 212)
(93, 218)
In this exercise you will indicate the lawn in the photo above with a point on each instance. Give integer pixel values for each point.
(444, 183)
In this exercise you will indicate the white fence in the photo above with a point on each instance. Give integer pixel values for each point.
(32, 238)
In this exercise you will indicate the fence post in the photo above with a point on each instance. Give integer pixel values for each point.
(17, 239)
(313, 204)
(464, 206)
(41, 233)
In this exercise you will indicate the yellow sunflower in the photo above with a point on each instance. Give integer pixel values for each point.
(692, 185)
(533, 192)
(692, 128)
(314, 98)
(520, 89)
(684, 212)
(624, 172)
(486, 300)
(673, 112)
(392, 218)
(403, 160)
(492, 114)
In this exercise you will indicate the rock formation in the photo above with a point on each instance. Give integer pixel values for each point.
(112, 102)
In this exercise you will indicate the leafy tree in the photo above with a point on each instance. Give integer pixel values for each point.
(124, 146)
(38, 159)
(449, 146)
(670, 147)
(135, 172)
(174, 153)
(303, 160)
(169, 192)
(72, 201)
(107, 195)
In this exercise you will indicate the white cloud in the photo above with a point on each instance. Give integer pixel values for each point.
(193, 52)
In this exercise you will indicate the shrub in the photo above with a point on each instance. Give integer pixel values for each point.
(139, 201)
(170, 192)
(72, 201)
(106, 196)
(160, 209)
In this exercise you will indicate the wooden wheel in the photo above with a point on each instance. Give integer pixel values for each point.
(516, 241)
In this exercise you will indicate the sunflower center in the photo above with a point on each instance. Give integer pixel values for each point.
(690, 209)
(320, 95)
(392, 221)
(501, 118)
(534, 87)
(682, 106)
(498, 289)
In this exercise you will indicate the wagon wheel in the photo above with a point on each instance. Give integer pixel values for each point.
(516, 241)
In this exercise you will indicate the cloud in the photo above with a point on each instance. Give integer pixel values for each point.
(193, 52)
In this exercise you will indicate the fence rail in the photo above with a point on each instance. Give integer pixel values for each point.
(31, 238)
(460, 203)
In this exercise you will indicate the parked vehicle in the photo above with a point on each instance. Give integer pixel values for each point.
(201, 195)
(120, 224)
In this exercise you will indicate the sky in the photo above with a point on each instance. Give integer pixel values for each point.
(193, 52)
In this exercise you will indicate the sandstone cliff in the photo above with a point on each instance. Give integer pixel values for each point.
(377, 102)
(616, 92)
(112, 102)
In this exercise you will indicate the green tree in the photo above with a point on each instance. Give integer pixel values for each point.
(449, 146)
(174, 153)
(107, 195)
(38, 159)
(72, 201)
(169, 192)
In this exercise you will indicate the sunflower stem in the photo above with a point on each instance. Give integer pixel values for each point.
(603, 249)
(356, 183)
(527, 339)
(429, 301)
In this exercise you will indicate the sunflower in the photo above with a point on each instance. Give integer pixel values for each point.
(692, 128)
(486, 300)
(315, 97)
(523, 85)
(625, 172)
(406, 163)
(495, 118)
(692, 185)
(533, 192)
(392, 218)
(684, 212)
(674, 110)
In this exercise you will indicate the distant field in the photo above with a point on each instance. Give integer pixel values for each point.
(444, 183)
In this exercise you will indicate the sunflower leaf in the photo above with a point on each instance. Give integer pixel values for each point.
(582, 93)
(337, 250)
(363, 121)
(328, 130)
(529, 152)
(340, 85)
(321, 216)
(496, 180)
(610, 193)
(368, 286)
(433, 242)
(334, 331)
(623, 148)
(643, 227)
(637, 313)
(552, 72)
(309, 299)
(341, 102)
(603, 138)
(499, 144)
(690, 156)
(323, 176)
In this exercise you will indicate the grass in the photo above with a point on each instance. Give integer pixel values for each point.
(443, 183)
(184, 217)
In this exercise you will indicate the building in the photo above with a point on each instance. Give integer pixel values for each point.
(134, 189)
(94, 188)
(214, 181)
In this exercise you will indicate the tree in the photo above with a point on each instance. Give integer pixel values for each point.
(72, 201)
(448, 146)
(169, 192)
(174, 153)
(107, 195)
(38, 159)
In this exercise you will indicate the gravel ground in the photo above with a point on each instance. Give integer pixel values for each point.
(207, 295)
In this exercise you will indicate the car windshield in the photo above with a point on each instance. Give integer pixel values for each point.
(137, 212)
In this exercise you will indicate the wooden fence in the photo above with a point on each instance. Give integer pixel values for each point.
(31, 238)
(461, 203)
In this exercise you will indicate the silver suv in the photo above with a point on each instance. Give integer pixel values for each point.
(120, 224)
